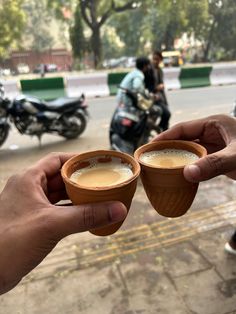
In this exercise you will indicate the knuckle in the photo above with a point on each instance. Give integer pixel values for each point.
(89, 216)
(27, 179)
(215, 163)
(52, 154)
(14, 181)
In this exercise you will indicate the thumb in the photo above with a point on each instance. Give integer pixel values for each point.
(73, 219)
(210, 166)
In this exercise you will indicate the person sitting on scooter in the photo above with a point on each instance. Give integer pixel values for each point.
(154, 83)
(134, 81)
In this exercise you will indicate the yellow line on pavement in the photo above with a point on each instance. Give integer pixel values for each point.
(144, 237)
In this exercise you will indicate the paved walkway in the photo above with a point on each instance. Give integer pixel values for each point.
(174, 266)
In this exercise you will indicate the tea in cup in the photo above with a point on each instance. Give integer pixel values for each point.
(100, 176)
(162, 164)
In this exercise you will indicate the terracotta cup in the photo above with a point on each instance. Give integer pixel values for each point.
(166, 188)
(122, 192)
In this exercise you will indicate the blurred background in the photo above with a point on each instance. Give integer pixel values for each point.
(153, 265)
(84, 35)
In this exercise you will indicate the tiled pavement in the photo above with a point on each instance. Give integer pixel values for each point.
(174, 266)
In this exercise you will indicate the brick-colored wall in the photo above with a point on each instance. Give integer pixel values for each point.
(61, 57)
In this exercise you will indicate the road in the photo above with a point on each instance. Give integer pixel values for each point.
(21, 151)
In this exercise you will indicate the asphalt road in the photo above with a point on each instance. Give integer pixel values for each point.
(21, 151)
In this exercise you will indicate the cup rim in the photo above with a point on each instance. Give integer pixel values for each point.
(199, 150)
(93, 153)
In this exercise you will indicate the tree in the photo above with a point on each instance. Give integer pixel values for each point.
(12, 23)
(129, 29)
(95, 13)
(225, 29)
(220, 31)
(77, 38)
(37, 28)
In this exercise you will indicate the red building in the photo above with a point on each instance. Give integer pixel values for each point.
(61, 57)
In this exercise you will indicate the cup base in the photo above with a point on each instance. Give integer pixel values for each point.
(105, 231)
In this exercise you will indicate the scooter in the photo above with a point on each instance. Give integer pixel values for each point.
(135, 125)
(66, 117)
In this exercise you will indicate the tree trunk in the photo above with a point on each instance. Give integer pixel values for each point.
(168, 39)
(96, 46)
(209, 42)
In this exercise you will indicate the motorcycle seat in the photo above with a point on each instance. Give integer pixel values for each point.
(61, 103)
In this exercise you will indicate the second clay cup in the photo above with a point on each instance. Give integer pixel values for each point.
(166, 188)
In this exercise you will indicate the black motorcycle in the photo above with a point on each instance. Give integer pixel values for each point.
(66, 117)
(134, 125)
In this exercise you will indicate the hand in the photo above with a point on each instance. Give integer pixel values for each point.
(160, 87)
(157, 97)
(218, 135)
(31, 226)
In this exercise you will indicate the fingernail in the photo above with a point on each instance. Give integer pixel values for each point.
(117, 212)
(192, 173)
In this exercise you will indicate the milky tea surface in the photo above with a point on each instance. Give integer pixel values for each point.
(102, 174)
(168, 158)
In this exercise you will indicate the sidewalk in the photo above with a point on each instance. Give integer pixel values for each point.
(173, 266)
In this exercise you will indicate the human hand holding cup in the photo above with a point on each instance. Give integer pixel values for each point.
(162, 164)
(101, 176)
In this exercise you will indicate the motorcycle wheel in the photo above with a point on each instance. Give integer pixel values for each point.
(3, 134)
(77, 127)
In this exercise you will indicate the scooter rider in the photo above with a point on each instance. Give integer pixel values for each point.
(129, 124)
(134, 81)
(154, 83)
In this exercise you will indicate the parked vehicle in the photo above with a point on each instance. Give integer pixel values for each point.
(135, 125)
(172, 58)
(48, 68)
(23, 68)
(66, 117)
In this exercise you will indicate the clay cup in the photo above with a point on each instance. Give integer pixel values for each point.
(122, 192)
(166, 188)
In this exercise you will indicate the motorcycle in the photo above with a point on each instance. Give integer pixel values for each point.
(135, 125)
(64, 116)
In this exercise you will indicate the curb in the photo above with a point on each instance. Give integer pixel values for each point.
(105, 84)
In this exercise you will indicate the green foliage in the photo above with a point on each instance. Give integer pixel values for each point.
(223, 17)
(12, 23)
(77, 38)
(57, 7)
(37, 28)
(111, 44)
(171, 18)
(155, 24)
(129, 30)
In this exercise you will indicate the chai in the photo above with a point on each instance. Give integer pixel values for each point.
(102, 174)
(168, 158)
